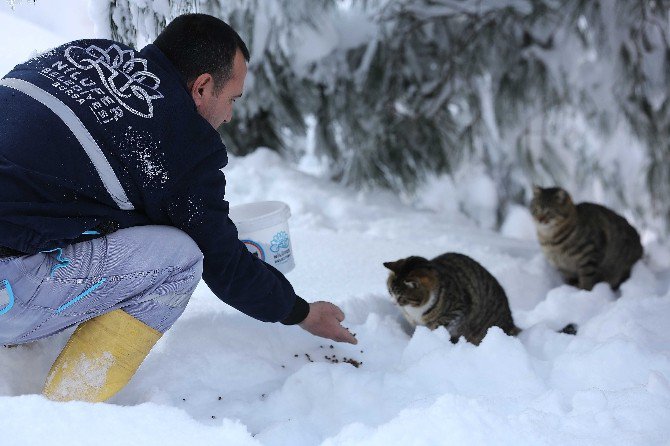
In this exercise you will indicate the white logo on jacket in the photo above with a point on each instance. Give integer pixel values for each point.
(124, 75)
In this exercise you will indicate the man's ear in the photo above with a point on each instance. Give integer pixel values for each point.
(199, 86)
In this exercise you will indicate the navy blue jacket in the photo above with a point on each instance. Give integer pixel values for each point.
(95, 133)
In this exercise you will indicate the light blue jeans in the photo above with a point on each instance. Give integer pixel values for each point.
(148, 271)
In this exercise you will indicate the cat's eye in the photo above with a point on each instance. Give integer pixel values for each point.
(410, 284)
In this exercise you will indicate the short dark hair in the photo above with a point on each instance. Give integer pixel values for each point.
(200, 43)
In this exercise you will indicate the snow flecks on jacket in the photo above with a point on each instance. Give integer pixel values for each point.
(138, 148)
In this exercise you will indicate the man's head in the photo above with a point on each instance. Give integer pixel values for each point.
(212, 58)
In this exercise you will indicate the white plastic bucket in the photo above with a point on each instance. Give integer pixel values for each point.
(263, 228)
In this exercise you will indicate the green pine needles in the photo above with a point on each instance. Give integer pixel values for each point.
(571, 92)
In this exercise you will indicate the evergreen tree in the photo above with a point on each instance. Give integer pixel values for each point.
(518, 86)
(536, 91)
(274, 103)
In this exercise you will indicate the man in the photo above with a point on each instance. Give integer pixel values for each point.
(112, 202)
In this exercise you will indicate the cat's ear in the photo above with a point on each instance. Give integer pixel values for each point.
(395, 266)
(562, 196)
(537, 190)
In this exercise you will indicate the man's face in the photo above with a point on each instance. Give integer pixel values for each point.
(216, 106)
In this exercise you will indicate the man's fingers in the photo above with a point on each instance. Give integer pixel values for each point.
(344, 335)
(324, 319)
(336, 311)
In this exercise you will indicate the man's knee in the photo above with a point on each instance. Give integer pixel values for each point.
(182, 243)
(187, 255)
(150, 247)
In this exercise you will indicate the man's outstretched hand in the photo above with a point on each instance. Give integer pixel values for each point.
(324, 320)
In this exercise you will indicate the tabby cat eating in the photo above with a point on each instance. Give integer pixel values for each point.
(587, 243)
(451, 290)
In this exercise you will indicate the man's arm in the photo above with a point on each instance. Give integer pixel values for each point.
(236, 276)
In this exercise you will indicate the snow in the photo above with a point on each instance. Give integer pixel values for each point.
(219, 377)
(67, 19)
(11, 54)
(36, 21)
(312, 42)
(519, 223)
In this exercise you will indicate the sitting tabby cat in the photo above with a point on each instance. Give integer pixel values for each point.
(587, 243)
(451, 290)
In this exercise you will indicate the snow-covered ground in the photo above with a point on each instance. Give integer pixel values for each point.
(219, 377)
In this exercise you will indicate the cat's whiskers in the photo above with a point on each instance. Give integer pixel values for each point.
(546, 228)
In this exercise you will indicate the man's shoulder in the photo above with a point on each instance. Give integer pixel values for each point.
(99, 42)
(104, 48)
